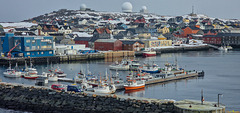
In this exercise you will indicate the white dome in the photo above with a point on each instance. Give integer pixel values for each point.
(144, 8)
(83, 7)
(127, 7)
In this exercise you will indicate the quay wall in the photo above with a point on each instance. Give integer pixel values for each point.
(40, 99)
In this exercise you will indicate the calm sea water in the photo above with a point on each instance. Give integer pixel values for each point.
(222, 76)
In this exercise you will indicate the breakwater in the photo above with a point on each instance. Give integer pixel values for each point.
(40, 99)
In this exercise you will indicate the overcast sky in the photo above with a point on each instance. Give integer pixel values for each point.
(18, 10)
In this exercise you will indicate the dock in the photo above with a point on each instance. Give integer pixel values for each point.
(151, 81)
(173, 77)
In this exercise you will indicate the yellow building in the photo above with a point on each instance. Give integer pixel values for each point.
(144, 35)
(157, 43)
(163, 30)
(185, 20)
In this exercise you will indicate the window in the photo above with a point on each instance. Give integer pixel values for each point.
(33, 47)
(27, 41)
(33, 41)
(38, 53)
(28, 53)
(42, 53)
(50, 52)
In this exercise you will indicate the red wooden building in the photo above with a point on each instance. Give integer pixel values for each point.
(212, 39)
(108, 44)
(83, 40)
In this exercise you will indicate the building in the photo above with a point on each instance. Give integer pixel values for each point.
(68, 49)
(108, 44)
(190, 30)
(83, 40)
(232, 39)
(163, 30)
(65, 30)
(132, 45)
(101, 33)
(212, 39)
(27, 46)
(157, 43)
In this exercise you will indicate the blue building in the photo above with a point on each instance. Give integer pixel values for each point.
(27, 46)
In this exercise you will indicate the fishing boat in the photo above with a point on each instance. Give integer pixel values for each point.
(223, 48)
(12, 73)
(103, 87)
(51, 77)
(124, 65)
(30, 72)
(154, 68)
(134, 64)
(149, 53)
(133, 85)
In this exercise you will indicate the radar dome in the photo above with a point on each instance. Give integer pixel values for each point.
(127, 7)
(144, 8)
(83, 7)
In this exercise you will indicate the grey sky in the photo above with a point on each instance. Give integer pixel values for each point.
(18, 10)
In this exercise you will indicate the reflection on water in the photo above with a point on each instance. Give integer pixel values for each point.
(136, 92)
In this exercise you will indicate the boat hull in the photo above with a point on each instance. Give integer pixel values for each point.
(12, 75)
(133, 87)
(148, 54)
(151, 71)
(26, 77)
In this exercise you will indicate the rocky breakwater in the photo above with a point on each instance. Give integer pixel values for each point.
(40, 99)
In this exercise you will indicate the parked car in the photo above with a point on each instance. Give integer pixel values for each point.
(58, 87)
(74, 88)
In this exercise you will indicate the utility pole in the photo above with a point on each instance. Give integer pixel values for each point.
(202, 99)
(218, 98)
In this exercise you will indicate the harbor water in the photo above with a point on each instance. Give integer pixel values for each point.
(222, 75)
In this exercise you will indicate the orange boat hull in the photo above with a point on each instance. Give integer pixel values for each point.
(133, 87)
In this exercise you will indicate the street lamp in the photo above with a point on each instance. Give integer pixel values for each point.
(218, 98)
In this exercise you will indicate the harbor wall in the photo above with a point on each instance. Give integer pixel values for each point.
(39, 99)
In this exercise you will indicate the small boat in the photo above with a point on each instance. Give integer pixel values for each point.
(107, 89)
(124, 65)
(223, 48)
(30, 76)
(134, 64)
(51, 77)
(154, 68)
(104, 87)
(12, 73)
(133, 85)
(149, 53)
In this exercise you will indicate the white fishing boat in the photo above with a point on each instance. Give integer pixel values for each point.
(223, 48)
(107, 89)
(51, 77)
(104, 87)
(154, 68)
(124, 65)
(12, 73)
(134, 64)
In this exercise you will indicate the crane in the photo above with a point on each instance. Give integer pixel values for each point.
(9, 53)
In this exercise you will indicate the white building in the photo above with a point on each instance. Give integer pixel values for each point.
(68, 49)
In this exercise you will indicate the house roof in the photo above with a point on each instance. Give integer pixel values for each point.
(229, 34)
(83, 39)
(21, 29)
(106, 40)
(193, 28)
(101, 30)
(1, 30)
(131, 42)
